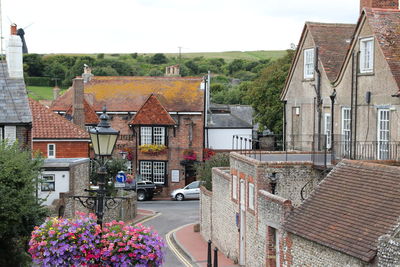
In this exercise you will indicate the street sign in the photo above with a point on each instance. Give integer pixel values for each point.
(119, 185)
(121, 177)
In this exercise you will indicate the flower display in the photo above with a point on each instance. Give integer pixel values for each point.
(208, 153)
(81, 242)
(152, 148)
(189, 154)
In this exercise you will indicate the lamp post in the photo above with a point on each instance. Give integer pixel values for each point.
(103, 139)
(273, 179)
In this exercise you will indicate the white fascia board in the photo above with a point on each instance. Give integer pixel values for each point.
(60, 140)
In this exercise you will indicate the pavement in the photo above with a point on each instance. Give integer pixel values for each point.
(188, 245)
(193, 246)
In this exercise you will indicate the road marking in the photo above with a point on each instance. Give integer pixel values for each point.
(173, 248)
(149, 218)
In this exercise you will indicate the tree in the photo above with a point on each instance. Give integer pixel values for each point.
(158, 58)
(203, 169)
(264, 94)
(19, 209)
(105, 71)
(35, 65)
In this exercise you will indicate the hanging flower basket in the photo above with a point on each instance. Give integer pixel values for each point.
(208, 153)
(153, 149)
(189, 154)
(81, 242)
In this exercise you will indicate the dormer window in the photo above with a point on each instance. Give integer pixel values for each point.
(152, 135)
(309, 63)
(366, 55)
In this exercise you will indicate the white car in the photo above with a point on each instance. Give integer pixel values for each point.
(191, 191)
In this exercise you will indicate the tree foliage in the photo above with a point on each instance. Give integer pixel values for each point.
(19, 209)
(264, 94)
(204, 169)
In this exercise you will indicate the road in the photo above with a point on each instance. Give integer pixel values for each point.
(173, 215)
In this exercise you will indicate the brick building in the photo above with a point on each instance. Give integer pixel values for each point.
(135, 106)
(56, 137)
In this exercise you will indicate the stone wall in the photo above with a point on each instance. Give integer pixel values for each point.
(307, 253)
(388, 251)
(205, 213)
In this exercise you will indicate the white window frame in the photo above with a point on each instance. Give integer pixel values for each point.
(251, 196)
(234, 186)
(51, 153)
(45, 185)
(309, 55)
(154, 171)
(152, 135)
(346, 129)
(10, 133)
(383, 134)
(327, 130)
(367, 55)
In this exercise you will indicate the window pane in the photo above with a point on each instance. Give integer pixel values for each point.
(158, 172)
(159, 135)
(145, 170)
(145, 135)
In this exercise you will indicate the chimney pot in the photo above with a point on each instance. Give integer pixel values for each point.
(13, 29)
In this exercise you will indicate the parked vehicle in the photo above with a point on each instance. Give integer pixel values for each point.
(145, 189)
(191, 191)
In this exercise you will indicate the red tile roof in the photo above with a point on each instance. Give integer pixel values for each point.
(48, 125)
(152, 112)
(129, 93)
(385, 25)
(90, 115)
(333, 41)
(350, 209)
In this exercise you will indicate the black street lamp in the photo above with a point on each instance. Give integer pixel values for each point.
(103, 139)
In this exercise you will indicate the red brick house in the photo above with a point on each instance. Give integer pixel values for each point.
(154, 111)
(56, 137)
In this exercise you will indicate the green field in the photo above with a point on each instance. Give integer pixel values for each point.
(41, 92)
(227, 56)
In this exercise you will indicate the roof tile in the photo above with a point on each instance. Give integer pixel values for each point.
(152, 113)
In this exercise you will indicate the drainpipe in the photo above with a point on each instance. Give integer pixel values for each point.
(351, 103)
(313, 138)
(205, 124)
(332, 97)
(356, 102)
(319, 100)
(284, 124)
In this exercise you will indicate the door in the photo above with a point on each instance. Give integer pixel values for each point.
(242, 223)
(383, 134)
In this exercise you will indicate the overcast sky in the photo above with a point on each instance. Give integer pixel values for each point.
(127, 26)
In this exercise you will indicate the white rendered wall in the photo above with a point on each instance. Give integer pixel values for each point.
(61, 186)
(222, 138)
(14, 57)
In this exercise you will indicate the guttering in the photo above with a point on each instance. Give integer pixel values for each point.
(59, 140)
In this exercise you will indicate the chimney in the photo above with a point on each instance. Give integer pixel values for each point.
(56, 92)
(78, 113)
(172, 71)
(14, 54)
(389, 4)
(87, 73)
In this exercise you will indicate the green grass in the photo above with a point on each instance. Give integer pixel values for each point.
(41, 92)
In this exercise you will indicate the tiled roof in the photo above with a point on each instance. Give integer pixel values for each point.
(129, 93)
(152, 112)
(14, 106)
(385, 25)
(351, 208)
(333, 41)
(48, 125)
(90, 115)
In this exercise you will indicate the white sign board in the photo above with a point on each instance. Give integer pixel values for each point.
(119, 185)
(175, 176)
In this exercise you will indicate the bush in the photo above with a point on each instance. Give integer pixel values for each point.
(203, 170)
(81, 242)
(37, 81)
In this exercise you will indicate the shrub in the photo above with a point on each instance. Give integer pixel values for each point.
(204, 172)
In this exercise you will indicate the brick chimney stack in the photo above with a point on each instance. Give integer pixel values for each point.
(13, 29)
(78, 113)
(390, 4)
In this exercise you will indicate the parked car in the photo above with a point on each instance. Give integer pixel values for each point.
(145, 189)
(191, 191)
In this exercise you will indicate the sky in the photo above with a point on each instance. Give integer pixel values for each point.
(161, 26)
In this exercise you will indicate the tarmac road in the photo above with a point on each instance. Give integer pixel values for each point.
(173, 215)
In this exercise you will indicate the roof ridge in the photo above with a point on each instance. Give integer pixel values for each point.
(371, 165)
(330, 24)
